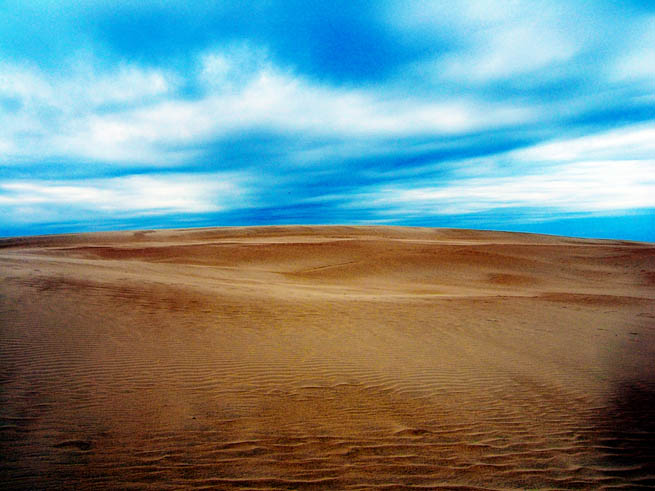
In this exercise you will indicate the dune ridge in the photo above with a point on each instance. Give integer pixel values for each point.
(326, 357)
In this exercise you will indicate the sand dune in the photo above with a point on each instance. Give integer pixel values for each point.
(326, 358)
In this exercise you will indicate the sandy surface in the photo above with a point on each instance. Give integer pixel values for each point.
(326, 358)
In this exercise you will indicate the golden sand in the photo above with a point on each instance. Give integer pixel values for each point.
(326, 358)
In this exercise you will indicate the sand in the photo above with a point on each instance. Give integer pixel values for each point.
(326, 358)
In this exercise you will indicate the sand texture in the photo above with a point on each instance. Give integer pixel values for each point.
(326, 358)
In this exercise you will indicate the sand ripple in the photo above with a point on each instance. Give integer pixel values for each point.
(326, 358)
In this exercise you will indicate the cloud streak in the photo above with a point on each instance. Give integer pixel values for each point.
(594, 186)
(48, 201)
(261, 98)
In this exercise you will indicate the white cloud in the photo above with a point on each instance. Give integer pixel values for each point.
(127, 84)
(634, 142)
(243, 91)
(142, 194)
(506, 51)
(492, 41)
(637, 60)
(83, 87)
(63, 115)
(294, 104)
(231, 66)
(25, 84)
(278, 102)
(605, 172)
(592, 186)
(6, 146)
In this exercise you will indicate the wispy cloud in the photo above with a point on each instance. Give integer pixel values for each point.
(633, 142)
(144, 129)
(637, 60)
(50, 115)
(580, 187)
(44, 201)
(608, 172)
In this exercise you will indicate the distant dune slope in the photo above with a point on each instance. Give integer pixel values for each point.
(326, 358)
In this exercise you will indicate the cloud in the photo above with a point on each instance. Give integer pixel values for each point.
(604, 186)
(637, 60)
(601, 173)
(84, 86)
(632, 142)
(41, 201)
(242, 91)
(492, 44)
(510, 50)
(57, 116)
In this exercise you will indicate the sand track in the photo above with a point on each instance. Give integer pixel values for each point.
(326, 358)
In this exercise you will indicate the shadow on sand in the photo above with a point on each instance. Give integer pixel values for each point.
(627, 432)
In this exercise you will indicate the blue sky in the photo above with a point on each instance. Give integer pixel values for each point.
(530, 116)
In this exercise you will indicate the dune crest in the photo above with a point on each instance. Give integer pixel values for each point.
(326, 358)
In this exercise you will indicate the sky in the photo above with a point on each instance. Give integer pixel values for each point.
(535, 116)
